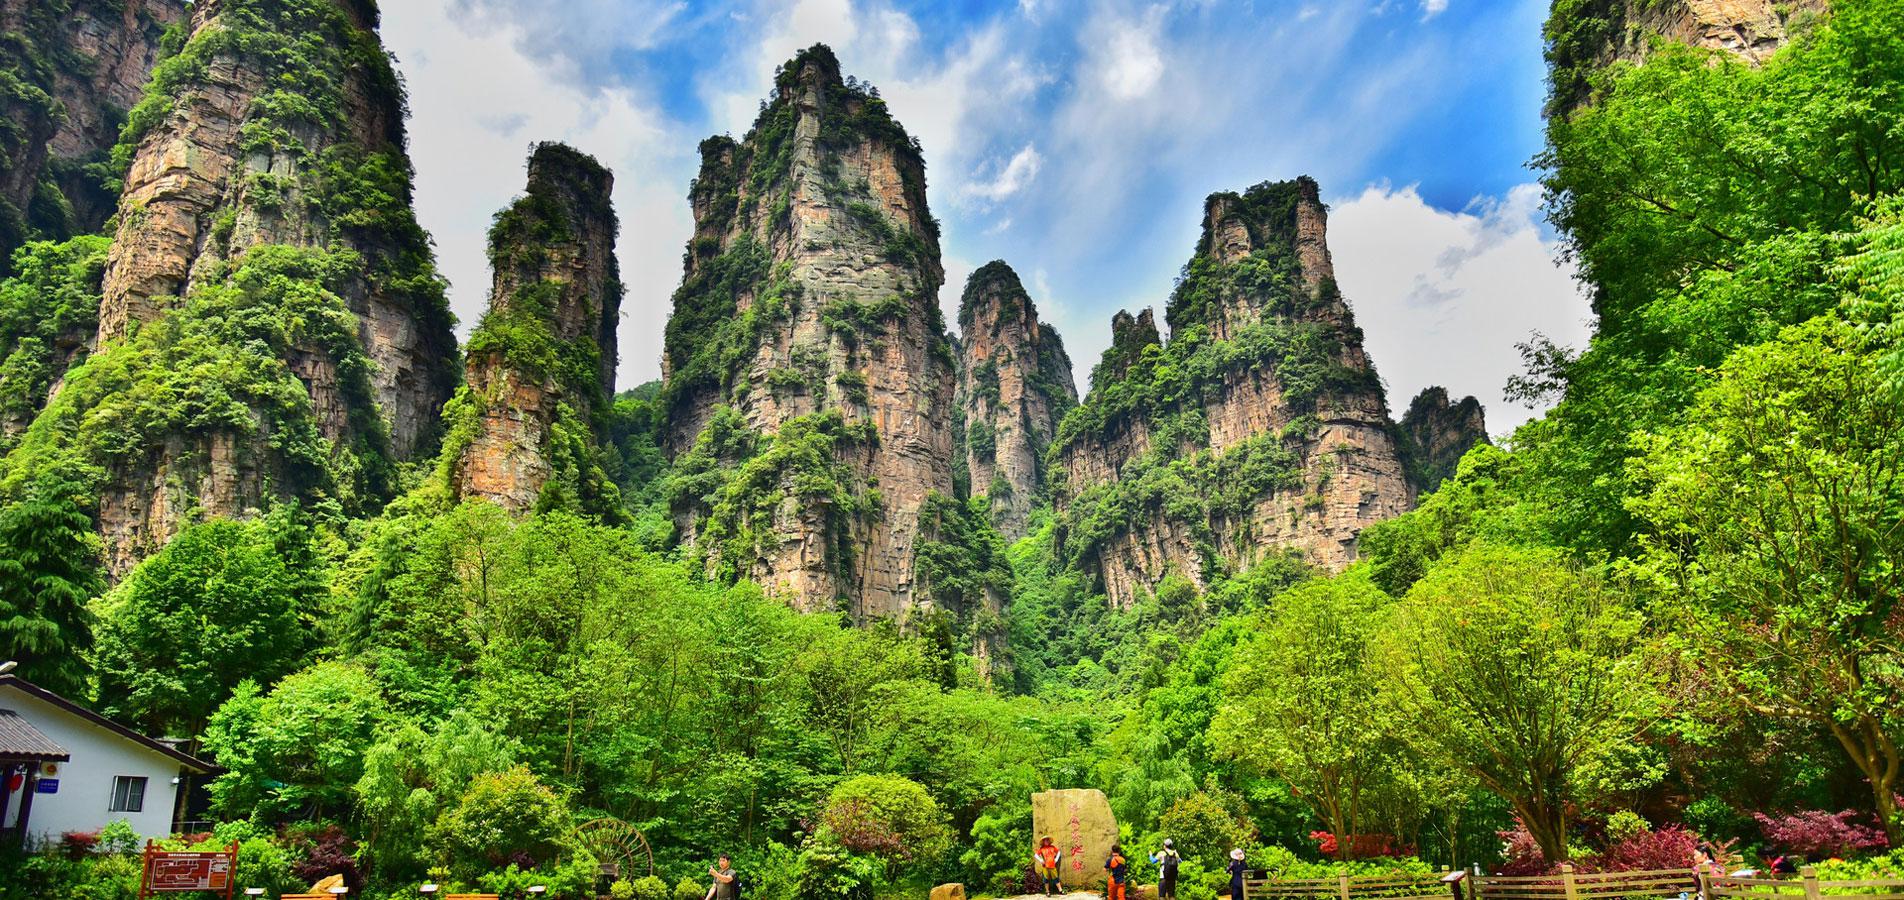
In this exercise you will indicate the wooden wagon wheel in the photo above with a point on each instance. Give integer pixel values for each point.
(617, 842)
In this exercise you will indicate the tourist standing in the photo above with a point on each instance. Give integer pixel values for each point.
(1236, 874)
(1119, 867)
(1166, 860)
(1047, 859)
(723, 887)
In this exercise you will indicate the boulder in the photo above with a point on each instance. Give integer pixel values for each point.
(1081, 823)
(949, 892)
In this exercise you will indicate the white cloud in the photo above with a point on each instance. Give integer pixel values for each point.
(1433, 8)
(1130, 64)
(582, 39)
(478, 102)
(1443, 297)
(1011, 177)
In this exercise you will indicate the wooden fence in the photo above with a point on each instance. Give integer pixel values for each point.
(1805, 887)
(1656, 884)
(1342, 887)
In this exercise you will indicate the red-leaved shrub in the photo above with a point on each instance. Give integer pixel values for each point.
(326, 850)
(77, 844)
(1670, 847)
(861, 831)
(1520, 855)
(1819, 835)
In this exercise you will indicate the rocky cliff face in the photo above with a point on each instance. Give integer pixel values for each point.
(271, 323)
(1586, 35)
(809, 378)
(71, 70)
(1015, 385)
(541, 365)
(1436, 432)
(1259, 428)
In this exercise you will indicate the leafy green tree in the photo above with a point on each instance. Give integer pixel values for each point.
(1205, 827)
(848, 676)
(1520, 669)
(1305, 703)
(1700, 197)
(411, 776)
(297, 752)
(49, 571)
(501, 815)
(223, 602)
(1778, 527)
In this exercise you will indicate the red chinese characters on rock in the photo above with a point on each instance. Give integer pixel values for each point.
(1077, 841)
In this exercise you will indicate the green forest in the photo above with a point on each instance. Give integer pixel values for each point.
(1667, 612)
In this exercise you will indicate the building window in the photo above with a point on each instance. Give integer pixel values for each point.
(128, 793)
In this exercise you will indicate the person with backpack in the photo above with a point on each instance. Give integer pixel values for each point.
(1047, 859)
(1119, 867)
(1166, 860)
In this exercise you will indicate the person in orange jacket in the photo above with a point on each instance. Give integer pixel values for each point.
(1047, 859)
(1119, 867)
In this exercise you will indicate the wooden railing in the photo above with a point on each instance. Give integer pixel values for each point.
(1571, 885)
(1655, 884)
(1342, 887)
(1806, 886)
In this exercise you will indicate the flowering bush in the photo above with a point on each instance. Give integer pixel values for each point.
(1360, 846)
(1819, 835)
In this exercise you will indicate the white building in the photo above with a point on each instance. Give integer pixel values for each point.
(65, 768)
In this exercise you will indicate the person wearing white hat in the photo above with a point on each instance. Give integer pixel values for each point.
(1236, 874)
(1167, 861)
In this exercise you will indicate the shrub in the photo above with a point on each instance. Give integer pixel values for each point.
(1668, 848)
(647, 887)
(688, 889)
(887, 816)
(505, 818)
(322, 852)
(78, 844)
(1818, 834)
(1625, 824)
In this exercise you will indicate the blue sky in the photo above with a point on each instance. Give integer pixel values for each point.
(1076, 141)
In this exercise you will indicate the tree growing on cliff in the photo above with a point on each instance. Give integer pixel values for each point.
(1522, 669)
(1777, 516)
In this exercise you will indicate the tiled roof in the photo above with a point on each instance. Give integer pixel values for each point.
(32, 690)
(20, 740)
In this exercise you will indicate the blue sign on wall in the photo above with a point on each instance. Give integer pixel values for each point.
(48, 786)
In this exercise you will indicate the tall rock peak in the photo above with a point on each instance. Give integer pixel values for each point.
(808, 375)
(1276, 234)
(78, 66)
(1436, 432)
(1015, 385)
(541, 365)
(271, 323)
(1129, 336)
(1258, 429)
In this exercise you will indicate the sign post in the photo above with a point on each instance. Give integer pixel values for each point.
(171, 872)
